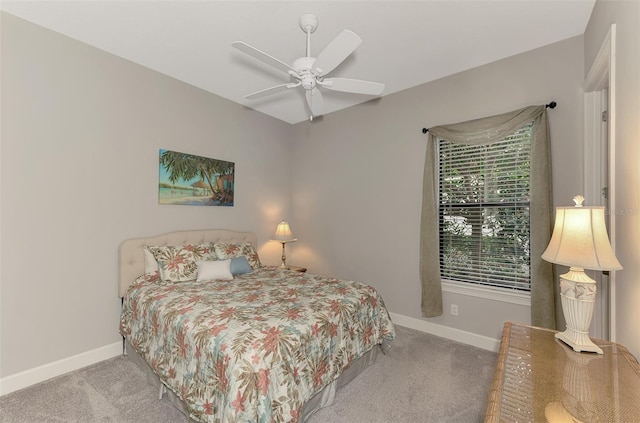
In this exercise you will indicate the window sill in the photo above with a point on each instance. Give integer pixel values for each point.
(489, 293)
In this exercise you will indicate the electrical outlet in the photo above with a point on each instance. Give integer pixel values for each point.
(454, 309)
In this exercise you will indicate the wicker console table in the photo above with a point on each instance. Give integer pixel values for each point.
(540, 379)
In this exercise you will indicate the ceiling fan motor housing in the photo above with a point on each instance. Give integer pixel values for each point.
(303, 68)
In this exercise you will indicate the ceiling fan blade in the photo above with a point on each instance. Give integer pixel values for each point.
(271, 90)
(262, 56)
(337, 50)
(315, 102)
(355, 86)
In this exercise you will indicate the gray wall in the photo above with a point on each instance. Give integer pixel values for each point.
(81, 130)
(626, 16)
(357, 175)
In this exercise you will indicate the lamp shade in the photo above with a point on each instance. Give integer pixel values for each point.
(580, 239)
(283, 233)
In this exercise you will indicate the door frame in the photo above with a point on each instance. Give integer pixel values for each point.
(602, 76)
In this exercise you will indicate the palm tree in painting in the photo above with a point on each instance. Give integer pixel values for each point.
(217, 174)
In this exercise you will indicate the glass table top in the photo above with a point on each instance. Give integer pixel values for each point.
(541, 379)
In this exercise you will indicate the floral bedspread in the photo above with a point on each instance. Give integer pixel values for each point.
(255, 348)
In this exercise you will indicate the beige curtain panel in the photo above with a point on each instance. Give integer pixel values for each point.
(486, 131)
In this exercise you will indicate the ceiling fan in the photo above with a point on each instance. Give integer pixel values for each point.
(310, 72)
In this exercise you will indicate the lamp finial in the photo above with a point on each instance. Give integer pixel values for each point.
(578, 199)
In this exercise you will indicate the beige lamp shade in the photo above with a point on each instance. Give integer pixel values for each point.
(283, 233)
(580, 239)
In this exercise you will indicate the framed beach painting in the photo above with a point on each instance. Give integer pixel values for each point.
(186, 179)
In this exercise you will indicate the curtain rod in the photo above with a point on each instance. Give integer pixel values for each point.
(551, 105)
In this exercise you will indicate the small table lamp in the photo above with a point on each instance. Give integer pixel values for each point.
(283, 235)
(580, 241)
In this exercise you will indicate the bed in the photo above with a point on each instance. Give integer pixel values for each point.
(264, 345)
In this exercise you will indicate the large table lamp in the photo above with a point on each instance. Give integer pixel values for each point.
(284, 235)
(580, 241)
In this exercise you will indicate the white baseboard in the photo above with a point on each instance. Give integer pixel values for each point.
(458, 335)
(47, 371)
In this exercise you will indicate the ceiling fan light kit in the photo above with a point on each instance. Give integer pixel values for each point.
(310, 72)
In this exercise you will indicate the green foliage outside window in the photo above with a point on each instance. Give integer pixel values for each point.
(484, 211)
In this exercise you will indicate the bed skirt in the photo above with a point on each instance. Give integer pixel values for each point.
(322, 399)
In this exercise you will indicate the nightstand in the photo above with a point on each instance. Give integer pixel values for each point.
(297, 269)
(539, 378)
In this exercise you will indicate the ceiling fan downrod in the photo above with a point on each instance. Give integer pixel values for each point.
(308, 23)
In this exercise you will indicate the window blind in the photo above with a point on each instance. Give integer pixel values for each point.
(484, 194)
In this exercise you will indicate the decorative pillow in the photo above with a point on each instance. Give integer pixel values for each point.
(228, 251)
(150, 263)
(210, 270)
(202, 252)
(178, 263)
(240, 266)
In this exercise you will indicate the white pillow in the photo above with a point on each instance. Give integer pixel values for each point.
(218, 269)
(150, 263)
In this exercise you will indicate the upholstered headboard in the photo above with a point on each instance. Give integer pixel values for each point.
(131, 255)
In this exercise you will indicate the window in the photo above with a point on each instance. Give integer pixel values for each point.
(484, 194)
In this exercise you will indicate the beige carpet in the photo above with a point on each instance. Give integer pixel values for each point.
(424, 378)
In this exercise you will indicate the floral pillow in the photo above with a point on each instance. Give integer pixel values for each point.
(202, 252)
(229, 250)
(179, 263)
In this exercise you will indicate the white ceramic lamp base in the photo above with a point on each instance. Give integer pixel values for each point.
(578, 296)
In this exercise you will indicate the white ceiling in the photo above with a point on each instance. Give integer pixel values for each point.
(405, 43)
